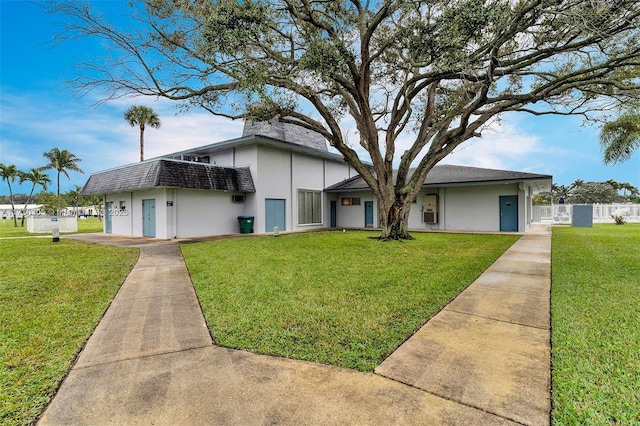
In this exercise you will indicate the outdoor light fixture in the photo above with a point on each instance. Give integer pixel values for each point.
(276, 231)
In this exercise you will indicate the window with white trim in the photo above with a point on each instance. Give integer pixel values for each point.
(309, 207)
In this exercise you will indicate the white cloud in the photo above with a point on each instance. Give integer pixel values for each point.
(98, 135)
(503, 145)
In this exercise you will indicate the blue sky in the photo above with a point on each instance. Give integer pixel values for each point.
(39, 112)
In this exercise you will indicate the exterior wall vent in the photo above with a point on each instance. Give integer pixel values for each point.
(430, 209)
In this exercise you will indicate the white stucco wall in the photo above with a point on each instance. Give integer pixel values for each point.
(201, 213)
(353, 216)
(464, 208)
(415, 215)
(475, 207)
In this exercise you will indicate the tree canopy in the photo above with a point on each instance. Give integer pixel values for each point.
(620, 138)
(61, 161)
(439, 71)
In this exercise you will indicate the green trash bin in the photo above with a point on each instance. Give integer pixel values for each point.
(246, 224)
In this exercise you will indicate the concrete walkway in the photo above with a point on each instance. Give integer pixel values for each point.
(483, 360)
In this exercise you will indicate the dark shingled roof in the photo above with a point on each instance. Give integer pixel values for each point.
(164, 173)
(287, 132)
(447, 175)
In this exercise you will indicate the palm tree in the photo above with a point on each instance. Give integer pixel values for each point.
(576, 184)
(141, 116)
(36, 177)
(620, 138)
(61, 161)
(10, 173)
(73, 197)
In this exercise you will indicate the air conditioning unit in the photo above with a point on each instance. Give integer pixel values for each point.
(430, 209)
(430, 217)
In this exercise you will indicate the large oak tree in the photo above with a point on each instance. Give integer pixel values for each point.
(439, 71)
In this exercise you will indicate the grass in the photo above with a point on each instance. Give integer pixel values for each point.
(7, 229)
(51, 298)
(596, 325)
(331, 297)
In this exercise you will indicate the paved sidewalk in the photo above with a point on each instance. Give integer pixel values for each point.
(483, 360)
(490, 347)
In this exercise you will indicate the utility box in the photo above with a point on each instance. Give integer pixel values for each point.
(430, 209)
(582, 216)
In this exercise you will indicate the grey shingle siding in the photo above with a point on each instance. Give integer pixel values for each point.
(446, 175)
(163, 173)
(285, 132)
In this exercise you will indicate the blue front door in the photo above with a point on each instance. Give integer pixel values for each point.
(509, 213)
(274, 214)
(368, 214)
(149, 218)
(107, 217)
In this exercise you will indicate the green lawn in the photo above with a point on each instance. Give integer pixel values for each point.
(7, 228)
(596, 325)
(332, 297)
(52, 295)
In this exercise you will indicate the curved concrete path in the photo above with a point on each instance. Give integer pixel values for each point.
(483, 360)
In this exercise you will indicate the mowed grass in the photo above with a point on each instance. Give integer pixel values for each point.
(596, 325)
(331, 297)
(52, 295)
(7, 228)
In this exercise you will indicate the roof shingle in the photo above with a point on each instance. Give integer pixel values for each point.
(448, 174)
(164, 173)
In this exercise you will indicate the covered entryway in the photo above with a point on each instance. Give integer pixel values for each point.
(274, 214)
(149, 218)
(509, 213)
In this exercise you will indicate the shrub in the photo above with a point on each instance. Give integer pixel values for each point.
(619, 219)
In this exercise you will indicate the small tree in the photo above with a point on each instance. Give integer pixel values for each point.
(61, 161)
(593, 193)
(36, 177)
(141, 116)
(10, 173)
(50, 203)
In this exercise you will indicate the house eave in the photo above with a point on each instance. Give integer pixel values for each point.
(259, 140)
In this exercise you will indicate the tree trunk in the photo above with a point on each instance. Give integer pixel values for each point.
(58, 181)
(141, 142)
(26, 203)
(13, 207)
(395, 221)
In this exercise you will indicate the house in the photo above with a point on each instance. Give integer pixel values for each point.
(283, 176)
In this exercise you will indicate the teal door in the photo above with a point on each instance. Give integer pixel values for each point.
(368, 214)
(274, 214)
(509, 213)
(107, 217)
(149, 218)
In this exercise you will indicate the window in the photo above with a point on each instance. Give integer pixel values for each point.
(351, 201)
(237, 199)
(309, 207)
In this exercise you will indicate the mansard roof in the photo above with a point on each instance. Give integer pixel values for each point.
(166, 173)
